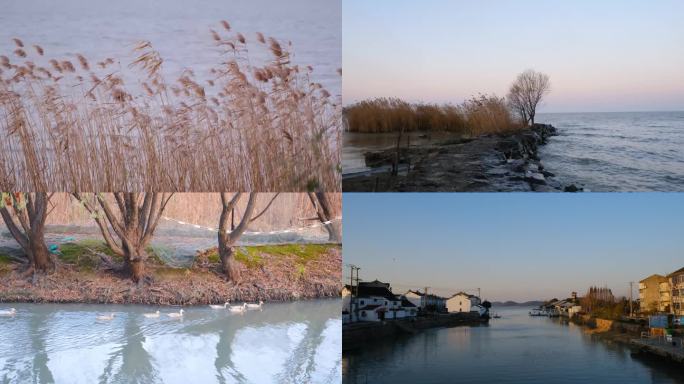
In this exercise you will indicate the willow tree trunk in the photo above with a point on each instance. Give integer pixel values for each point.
(135, 263)
(38, 252)
(334, 231)
(228, 264)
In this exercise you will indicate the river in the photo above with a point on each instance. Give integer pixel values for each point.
(514, 349)
(297, 342)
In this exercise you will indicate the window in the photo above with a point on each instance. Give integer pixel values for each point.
(363, 313)
(363, 302)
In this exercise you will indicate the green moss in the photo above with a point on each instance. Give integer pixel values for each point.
(301, 271)
(80, 253)
(252, 256)
(5, 259)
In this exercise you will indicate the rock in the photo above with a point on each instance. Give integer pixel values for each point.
(548, 174)
(534, 177)
(572, 188)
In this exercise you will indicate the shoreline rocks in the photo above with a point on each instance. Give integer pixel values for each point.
(506, 162)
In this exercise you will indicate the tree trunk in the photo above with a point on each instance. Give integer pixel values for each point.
(40, 257)
(135, 264)
(228, 264)
(334, 231)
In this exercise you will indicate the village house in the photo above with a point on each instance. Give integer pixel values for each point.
(651, 298)
(374, 301)
(676, 280)
(426, 303)
(463, 302)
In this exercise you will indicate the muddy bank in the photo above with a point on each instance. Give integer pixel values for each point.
(358, 335)
(273, 273)
(506, 162)
(610, 330)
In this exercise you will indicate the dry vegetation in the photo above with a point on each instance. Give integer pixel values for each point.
(75, 125)
(268, 273)
(477, 116)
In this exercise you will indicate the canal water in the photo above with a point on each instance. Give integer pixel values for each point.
(514, 349)
(296, 342)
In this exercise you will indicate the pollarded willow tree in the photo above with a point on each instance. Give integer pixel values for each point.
(526, 93)
(24, 215)
(229, 232)
(127, 223)
(328, 206)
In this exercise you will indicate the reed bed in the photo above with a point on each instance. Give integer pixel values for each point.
(70, 124)
(479, 115)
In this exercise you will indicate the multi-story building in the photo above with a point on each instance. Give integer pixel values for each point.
(654, 294)
(676, 280)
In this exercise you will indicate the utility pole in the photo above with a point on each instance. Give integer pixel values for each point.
(426, 298)
(631, 311)
(352, 301)
(478, 294)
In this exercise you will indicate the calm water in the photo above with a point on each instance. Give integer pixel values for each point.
(178, 29)
(356, 144)
(514, 349)
(640, 151)
(63, 343)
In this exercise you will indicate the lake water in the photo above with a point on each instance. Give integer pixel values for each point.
(296, 342)
(639, 151)
(178, 29)
(514, 349)
(356, 144)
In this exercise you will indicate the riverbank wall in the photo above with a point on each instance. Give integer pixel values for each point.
(630, 334)
(357, 335)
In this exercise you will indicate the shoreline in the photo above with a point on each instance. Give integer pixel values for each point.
(357, 335)
(271, 275)
(629, 335)
(494, 162)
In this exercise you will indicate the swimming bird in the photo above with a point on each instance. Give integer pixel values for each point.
(175, 315)
(255, 306)
(238, 308)
(106, 317)
(219, 306)
(10, 312)
(151, 315)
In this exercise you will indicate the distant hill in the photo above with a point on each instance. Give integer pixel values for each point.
(516, 304)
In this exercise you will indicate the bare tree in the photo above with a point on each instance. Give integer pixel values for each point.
(127, 224)
(526, 93)
(229, 233)
(327, 212)
(24, 215)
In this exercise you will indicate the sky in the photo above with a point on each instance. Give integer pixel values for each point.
(601, 56)
(514, 246)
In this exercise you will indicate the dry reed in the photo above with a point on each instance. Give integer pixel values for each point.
(479, 115)
(77, 126)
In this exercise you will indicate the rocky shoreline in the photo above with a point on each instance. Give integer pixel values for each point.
(495, 162)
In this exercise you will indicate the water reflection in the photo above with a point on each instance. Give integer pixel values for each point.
(284, 343)
(514, 349)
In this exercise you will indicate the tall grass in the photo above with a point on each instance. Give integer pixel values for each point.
(76, 125)
(476, 116)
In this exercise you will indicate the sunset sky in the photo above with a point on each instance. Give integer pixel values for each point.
(611, 55)
(513, 246)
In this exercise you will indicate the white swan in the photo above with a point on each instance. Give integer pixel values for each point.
(238, 308)
(10, 312)
(219, 306)
(255, 306)
(176, 315)
(151, 315)
(106, 317)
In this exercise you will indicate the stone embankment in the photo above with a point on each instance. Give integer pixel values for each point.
(360, 334)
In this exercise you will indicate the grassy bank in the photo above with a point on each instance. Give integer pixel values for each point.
(87, 272)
